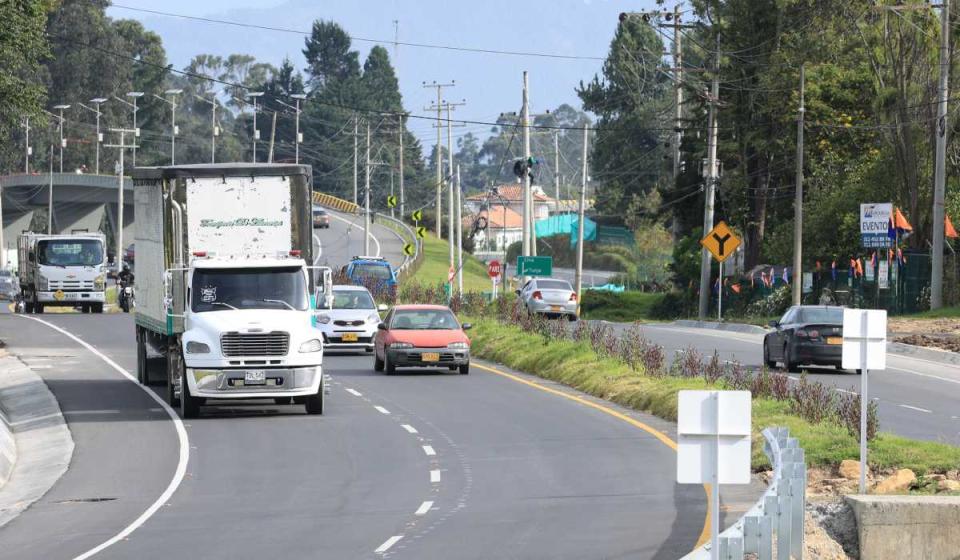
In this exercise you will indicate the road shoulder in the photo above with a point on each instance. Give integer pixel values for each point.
(41, 442)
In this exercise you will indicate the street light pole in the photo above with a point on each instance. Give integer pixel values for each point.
(63, 142)
(173, 93)
(578, 281)
(939, 172)
(256, 133)
(27, 151)
(95, 110)
(298, 97)
(136, 130)
(214, 132)
(123, 146)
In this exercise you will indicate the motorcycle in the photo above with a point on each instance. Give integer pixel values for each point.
(125, 296)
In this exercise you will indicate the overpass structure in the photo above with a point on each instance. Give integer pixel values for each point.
(80, 202)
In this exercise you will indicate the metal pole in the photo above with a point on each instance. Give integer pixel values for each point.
(366, 196)
(556, 171)
(50, 195)
(3, 248)
(678, 98)
(296, 144)
(459, 235)
(273, 133)
(96, 168)
(524, 119)
(715, 487)
(711, 186)
(580, 210)
(134, 151)
(450, 213)
(439, 167)
(61, 140)
(864, 405)
(720, 294)
(392, 213)
(213, 132)
(798, 205)
(26, 148)
(119, 257)
(939, 174)
(255, 131)
(356, 124)
(173, 130)
(402, 196)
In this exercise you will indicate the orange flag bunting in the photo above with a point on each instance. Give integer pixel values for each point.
(735, 288)
(900, 221)
(948, 227)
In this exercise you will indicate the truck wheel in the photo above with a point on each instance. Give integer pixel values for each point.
(143, 372)
(173, 358)
(97, 308)
(28, 307)
(314, 403)
(189, 406)
(37, 307)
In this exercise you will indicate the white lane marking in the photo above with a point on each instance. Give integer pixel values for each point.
(937, 377)
(428, 449)
(354, 392)
(184, 442)
(846, 391)
(424, 508)
(382, 410)
(319, 249)
(81, 412)
(915, 408)
(386, 546)
(41, 367)
(372, 236)
(409, 428)
(435, 475)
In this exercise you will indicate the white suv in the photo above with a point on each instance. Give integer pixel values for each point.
(352, 323)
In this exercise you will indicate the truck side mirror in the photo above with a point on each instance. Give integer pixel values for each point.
(32, 256)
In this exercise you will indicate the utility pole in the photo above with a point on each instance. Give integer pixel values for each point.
(400, 133)
(711, 185)
(556, 171)
(298, 97)
(939, 174)
(49, 196)
(27, 150)
(356, 124)
(525, 123)
(798, 205)
(256, 132)
(678, 101)
(450, 194)
(123, 147)
(366, 202)
(578, 281)
(63, 143)
(459, 234)
(214, 130)
(97, 101)
(273, 133)
(439, 108)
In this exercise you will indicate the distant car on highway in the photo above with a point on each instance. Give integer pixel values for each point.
(549, 296)
(805, 335)
(351, 324)
(421, 336)
(321, 219)
(9, 286)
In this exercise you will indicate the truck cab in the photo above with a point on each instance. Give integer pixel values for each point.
(65, 270)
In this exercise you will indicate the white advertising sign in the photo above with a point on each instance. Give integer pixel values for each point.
(883, 272)
(864, 339)
(874, 224)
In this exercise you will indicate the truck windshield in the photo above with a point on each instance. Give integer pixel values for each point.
(248, 288)
(70, 252)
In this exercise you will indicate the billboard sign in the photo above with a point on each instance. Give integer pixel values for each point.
(874, 224)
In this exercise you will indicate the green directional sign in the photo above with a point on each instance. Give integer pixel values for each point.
(392, 201)
(417, 215)
(421, 232)
(534, 266)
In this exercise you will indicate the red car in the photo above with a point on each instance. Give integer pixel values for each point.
(421, 336)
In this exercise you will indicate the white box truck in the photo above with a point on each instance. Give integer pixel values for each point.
(224, 283)
(64, 270)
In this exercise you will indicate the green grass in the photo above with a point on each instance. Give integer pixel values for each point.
(436, 265)
(618, 307)
(942, 313)
(577, 365)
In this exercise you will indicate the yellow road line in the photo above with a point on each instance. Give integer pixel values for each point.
(665, 439)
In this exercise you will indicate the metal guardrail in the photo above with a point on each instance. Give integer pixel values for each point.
(402, 230)
(780, 511)
(330, 201)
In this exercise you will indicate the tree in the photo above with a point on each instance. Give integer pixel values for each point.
(328, 55)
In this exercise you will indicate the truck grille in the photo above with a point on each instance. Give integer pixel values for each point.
(68, 285)
(274, 343)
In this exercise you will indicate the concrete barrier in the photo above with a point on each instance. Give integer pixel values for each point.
(925, 527)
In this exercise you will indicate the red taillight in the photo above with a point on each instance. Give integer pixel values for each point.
(801, 333)
(295, 253)
(573, 296)
(814, 334)
(199, 253)
(537, 295)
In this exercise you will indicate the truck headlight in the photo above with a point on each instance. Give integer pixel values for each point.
(194, 347)
(396, 345)
(323, 319)
(99, 282)
(312, 345)
(43, 283)
(458, 345)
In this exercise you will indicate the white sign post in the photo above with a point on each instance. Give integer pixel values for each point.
(864, 348)
(713, 429)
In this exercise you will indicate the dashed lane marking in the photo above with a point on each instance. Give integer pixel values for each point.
(389, 543)
(409, 428)
(435, 475)
(354, 392)
(381, 410)
(429, 450)
(918, 409)
(424, 508)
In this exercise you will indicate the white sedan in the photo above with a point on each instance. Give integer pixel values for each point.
(352, 322)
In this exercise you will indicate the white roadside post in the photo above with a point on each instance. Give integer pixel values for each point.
(713, 429)
(865, 349)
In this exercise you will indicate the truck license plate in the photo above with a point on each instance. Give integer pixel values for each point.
(430, 357)
(254, 377)
(349, 337)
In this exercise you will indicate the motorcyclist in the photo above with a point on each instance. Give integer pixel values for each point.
(124, 279)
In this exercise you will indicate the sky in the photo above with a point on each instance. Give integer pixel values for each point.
(488, 83)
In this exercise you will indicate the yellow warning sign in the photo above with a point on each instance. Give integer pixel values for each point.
(721, 242)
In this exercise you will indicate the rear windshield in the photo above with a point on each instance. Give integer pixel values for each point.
(378, 271)
(553, 284)
(829, 315)
(319, 212)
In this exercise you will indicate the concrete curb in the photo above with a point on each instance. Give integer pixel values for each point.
(34, 430)
(730, 327)
(929, 354)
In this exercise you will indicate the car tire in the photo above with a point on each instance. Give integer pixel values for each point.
(388, 366)
(189, 405)
(172, 356)
(377, 363)
(98, 308)
(465, 369)
(314, 403)
(37, 307)
(788, 364)
(368, 350)
(28, 307)
(766, 356)
(283, 400)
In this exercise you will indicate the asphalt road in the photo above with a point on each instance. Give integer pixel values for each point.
(916, 398)
(418, 465)
(344, 239)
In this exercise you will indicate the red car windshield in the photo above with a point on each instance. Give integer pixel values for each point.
(424, 320)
